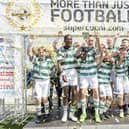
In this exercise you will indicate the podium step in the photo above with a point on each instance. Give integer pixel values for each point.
(54, 122)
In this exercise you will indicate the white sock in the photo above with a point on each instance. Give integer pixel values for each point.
(65, 108)
(79, 104)
(102, 107)
(46, 107)
(108, 103)
(96, 105)
(38, 110)
(83, 104)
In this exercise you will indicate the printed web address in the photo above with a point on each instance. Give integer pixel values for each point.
(93, 28)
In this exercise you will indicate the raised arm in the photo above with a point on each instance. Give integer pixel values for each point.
(97, 44)
(100, 59)
(116, 36)
(99, 51)
(59, 60)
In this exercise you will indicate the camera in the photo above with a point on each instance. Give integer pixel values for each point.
(84, 49)
(40, 59)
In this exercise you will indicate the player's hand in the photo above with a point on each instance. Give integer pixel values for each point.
(117, 35)
(64, 78)
(55, 44)
(97, 35)
(115, 53)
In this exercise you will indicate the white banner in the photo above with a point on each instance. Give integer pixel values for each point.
(52, 17)
(7, 69)
(11, 67)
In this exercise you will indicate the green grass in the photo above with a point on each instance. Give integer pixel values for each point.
(8, 124)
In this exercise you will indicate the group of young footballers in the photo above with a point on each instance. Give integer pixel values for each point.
(91, 66)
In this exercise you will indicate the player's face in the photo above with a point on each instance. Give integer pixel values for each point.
(124, 44)
(109, 58)
(68, 41)
(110, 43)
(90, 42)
(41, 52)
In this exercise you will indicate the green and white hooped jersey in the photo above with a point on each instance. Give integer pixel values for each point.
(128, 55)
(104, 73)
(67, 58)
(122, 69)
(115, 48)
(42, 68)
(89, 67)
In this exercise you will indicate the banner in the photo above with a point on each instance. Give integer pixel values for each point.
(52, 17)
(6, 70)
(50, 20)
(11, 71)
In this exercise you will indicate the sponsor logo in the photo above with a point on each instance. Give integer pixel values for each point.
(23, 14)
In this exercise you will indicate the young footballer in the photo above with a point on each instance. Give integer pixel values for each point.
(105, 90)
(88, 75)
(42, 66)
(69, 79)
(122, 81)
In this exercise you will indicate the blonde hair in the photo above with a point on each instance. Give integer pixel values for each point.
(35, 50)
(51, 53)
(42, 48)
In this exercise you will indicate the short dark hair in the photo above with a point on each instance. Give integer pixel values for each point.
(125, 40)
(65, 37)
(124, 49)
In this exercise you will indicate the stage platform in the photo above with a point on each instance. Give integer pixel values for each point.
(54, 122)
